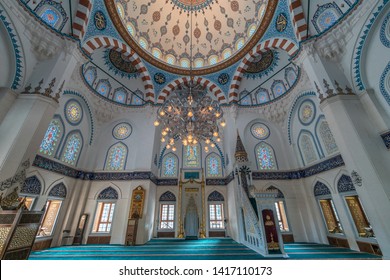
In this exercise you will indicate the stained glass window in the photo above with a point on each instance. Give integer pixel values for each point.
(72, 148)
(327, 138)
(306, 146)
(50, 140)
(169, 167)
(213, 166)
(307, 112)
(104, 216)
(120, 96)
(50, 16)
(116, 157)
(260, 131)
(122, 131)
(265, 157)
(262, 96)
(245, 98)
(278, 88)
(138, 98)
(90, 75)
(73, 112)
(192, 156)
(290, 75)
(216, 216)
(167, 216)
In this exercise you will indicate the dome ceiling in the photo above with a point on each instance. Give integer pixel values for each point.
(223, 31)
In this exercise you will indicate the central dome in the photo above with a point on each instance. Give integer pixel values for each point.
(222, 31)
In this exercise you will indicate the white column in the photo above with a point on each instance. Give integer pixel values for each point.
(7, 98)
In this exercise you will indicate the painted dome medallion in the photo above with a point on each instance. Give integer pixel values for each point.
(221, 32)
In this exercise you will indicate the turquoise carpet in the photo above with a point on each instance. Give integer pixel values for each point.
(202, 249)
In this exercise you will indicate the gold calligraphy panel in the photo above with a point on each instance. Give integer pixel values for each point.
(137, 203)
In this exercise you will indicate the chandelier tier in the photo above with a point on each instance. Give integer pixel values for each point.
(191, 116)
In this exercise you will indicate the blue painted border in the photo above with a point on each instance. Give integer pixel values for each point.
(16, 83)
(314, 112)
(107, 154)
(382, 36)
(269, 131)
(60, 143)
(274, 155)
(58, 7)
(131, 130)
(382, 85)
(89, 111)
(66, 114)
(320, 10)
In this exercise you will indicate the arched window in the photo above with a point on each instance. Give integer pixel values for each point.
(170, 165)
(216, 211)
(278, 88)
(326, 136)
(104, 87)
(90, 75)
(362, 225)
(31, 189)
(120, 95)
(191, 156)
(52, 13)
(137, 98)
(262, 95)
(245, 98)
(105, 210)
(213, 165)
(328, 210)
(52, 138)
(290, 75)
(72, 148)
(265, 157)
(116, 157)
(280, 210)
(307, 148)
(56, 196)
(167, 211)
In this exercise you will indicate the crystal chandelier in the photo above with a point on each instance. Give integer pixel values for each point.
(190, 115)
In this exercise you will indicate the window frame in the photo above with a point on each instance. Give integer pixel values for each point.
(278, 212)
(223, 218)
(160, 220)
(47, 207)
(335, 215)
(97, 217)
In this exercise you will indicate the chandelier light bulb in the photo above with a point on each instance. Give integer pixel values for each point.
(190, 136)
(195, 142)
(190, 140)
(167, 129)
(215, 134)
(212, 145)
(223, 123)
(206, 149)
(169, 108)
(210, 108)
(207, 141)
(162, 113)
(162, 140)
(156, 123)
(185, 143)
(217, 114)
(190, 114)
(164, 133)
(172, 141)
(218, 139)
(168, 146)
(174, 149)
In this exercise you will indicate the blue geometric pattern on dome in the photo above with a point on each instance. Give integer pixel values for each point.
(279, 195)
(385, 36)
(262, 95)
(321, 189)
(326, 16)
(58, 190)
(266, 69)
(90, 75)
(290, 76)
(16, 46)
(385, 77)
(108, 193)
(31, 186)
(245, 98)
(120, 95)
(215, 196)
(50, 16)
(345, 184)
(167, 196)
(104, 87)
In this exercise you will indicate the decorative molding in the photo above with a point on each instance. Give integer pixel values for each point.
(326, 165)
(356, 179)
(58, 190)
(18, 179)
(48, 92)
(384, 35)
(345, 184)
(321, 189)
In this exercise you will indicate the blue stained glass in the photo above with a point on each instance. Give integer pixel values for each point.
(213, 166)
(137, 100)
(120, 96)
(265, 157)
(117, 157)
(291, 77)
(278, 89)
(262, 97)
(50, 140)
(103, 88)
(327, 19)
(72, 149)
(170, 166)
(50, 17)
(90, 76)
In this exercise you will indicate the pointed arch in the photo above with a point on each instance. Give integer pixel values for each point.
(265, 157)
(212, 87)
(120, 95)
(170, 166)
(95, 43)
(325, 136)
(90, 75)
(167, 196)
(109, 193)
(215, 196)
(278, 88)
(321, 189)
(32, 185)
(58, 190)
(345, 184)
(213, 165)
(262, 96)
(72, 147)
(53, 137)
(275, 43)
(245, 98)
(116, 157)
(307, 147)
(103, 87)
(273, 188)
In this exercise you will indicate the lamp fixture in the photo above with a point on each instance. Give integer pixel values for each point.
(190, 115)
